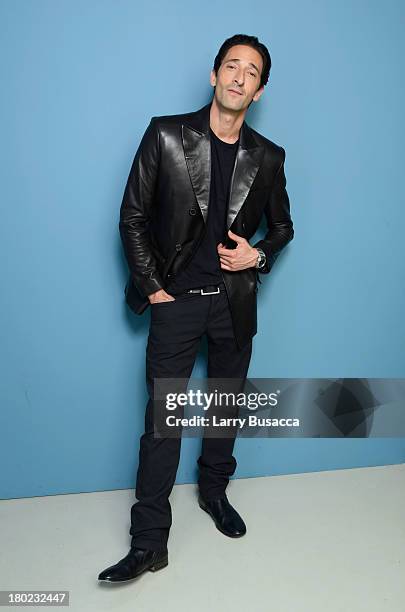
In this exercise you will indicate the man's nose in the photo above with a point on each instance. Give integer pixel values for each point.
(239, 78)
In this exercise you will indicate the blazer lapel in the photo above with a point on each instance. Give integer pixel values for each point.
(248, 159)
(197, 152)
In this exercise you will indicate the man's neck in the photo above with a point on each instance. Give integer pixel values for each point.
(225, 124)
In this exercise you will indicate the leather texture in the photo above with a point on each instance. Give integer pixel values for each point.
(137, 561)
(225, 517)
(165, 205)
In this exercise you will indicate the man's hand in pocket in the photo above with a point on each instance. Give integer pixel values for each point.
(160, 296)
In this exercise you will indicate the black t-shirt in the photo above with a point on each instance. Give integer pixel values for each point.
(204, 267)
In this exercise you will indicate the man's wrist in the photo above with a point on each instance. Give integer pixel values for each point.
(261, 258)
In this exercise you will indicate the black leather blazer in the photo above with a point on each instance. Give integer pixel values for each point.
(165, 206)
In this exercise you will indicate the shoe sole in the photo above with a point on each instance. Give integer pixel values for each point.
(153, 568)
(235, 535)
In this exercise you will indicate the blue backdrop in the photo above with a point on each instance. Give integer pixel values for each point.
(81, 81)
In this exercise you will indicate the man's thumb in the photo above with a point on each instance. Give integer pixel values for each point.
(235, 237)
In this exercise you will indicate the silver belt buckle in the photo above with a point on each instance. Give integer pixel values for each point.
(210, 292)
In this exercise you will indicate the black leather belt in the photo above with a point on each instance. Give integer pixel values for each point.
(208, 289)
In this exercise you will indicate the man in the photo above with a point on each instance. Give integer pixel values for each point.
(197, 190)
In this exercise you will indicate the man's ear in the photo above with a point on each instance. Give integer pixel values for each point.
(258, 93)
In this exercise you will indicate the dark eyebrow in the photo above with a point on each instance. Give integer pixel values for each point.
(238, 60)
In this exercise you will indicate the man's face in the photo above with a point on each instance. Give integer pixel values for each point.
(240, 72)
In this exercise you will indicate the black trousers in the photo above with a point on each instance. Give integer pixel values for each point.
(176, 329)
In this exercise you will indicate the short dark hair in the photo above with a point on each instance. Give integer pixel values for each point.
(251, 41)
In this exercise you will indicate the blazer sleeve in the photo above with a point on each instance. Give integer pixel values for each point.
(135, 213)
(280, 226)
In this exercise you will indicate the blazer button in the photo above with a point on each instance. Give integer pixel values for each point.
(192, 211)
(178, 247)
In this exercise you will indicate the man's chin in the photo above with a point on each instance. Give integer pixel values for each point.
(231, 105)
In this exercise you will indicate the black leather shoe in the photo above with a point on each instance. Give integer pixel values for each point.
(137, 561)
(226, 519)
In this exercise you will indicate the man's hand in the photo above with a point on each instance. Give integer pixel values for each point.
(160, 296)
(242, 257)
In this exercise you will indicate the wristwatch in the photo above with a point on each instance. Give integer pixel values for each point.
(261, 259)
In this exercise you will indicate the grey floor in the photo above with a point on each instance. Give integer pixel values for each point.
(329, 541)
